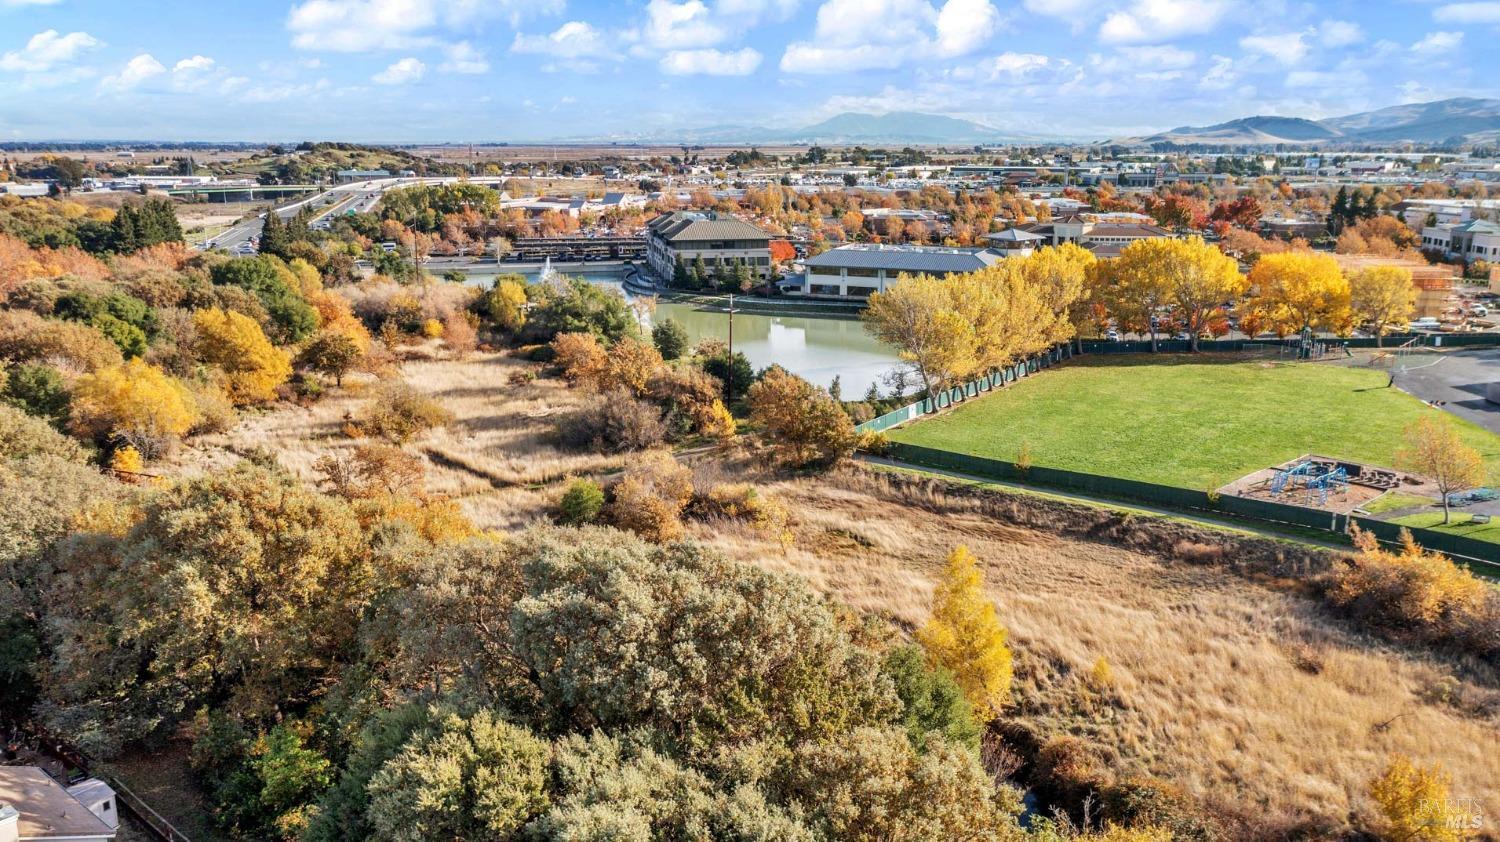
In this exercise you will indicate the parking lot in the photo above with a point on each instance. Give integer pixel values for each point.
(1458, 379)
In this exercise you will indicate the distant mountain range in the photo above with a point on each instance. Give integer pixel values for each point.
(1463, 120)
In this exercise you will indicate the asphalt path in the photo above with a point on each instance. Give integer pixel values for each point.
(1458, 379)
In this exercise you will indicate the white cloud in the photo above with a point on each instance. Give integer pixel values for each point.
(1438, 42)
(1487, 12)
(855, 35)
(1164, 56)
(1323, 79)
(45, 50)
(1221, 76)
(1013, 65)
(463, 58)
(752, 12)
(193, 65)
(363, 25)
(14, 3)
(672, 25)
(710, 62)
(402, 72)
(964, 25)
(574, 39)
(279, 93)
(1155, 21)
(1287, 48)
(137, 70)
(1340, 33)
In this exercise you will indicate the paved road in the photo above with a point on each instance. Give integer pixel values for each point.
(1459, 378)
(359, 196)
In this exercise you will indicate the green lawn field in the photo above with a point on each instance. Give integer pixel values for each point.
(1461, 524)
(1190, 421)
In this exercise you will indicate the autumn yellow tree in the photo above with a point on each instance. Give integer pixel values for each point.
(916, 316)
(801, 420)
(251, 365)
(1199, 279)
(1301, 291)
(507, 305)
(1382, 296)
(1059, 276)
(136, 403)
(1142, 288)
(629, 364)
(965, 636)
(1434, 449)
(1414, 804)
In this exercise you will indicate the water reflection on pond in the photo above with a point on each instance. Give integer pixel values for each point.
(815, 348)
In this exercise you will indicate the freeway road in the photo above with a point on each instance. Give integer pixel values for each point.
(359, 197)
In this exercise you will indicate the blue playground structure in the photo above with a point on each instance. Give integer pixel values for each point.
(1311, 478)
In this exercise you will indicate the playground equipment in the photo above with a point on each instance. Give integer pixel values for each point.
(1312, 479)
(1478, 495)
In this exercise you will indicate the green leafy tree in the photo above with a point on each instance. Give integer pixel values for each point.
(582, 307)
(932, 702)
(330, 354)
(463, 777)
(581, 503)
(39, 390)
(670, 338)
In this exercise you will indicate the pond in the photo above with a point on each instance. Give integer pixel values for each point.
(813, 347)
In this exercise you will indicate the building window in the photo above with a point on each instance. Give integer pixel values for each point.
(860, 292)
(861, 272)
(824, 289)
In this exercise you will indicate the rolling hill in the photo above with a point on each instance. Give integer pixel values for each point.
(1464, 119)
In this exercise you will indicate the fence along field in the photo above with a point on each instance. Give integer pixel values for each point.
(915, 445)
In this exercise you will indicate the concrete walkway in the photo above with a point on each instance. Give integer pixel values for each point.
(1458, 379)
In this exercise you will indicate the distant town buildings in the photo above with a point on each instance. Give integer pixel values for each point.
(718, 241)
(1103, 238)
(1476, 239)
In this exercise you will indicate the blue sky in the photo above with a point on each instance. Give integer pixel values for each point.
(477, 70)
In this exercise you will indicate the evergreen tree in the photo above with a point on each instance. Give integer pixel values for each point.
(1338, 214)
(126, 230)
(836, 389)
(274, 237)
(744, 279)
(700, 272)
(680, 276)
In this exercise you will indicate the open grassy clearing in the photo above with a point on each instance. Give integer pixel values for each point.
(1461, 524)
(1246, 695)
(1393, 500)
(1186, 421)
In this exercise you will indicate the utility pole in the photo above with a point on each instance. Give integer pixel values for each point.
(729, 387)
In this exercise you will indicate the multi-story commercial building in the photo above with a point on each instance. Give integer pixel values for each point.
(861, 269)
(1477, 239)
(690, 236)
(1104, 239)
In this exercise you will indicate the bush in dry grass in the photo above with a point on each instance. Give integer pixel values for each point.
(1067, 771)
(1414, 805)
(693, 395)
(931, 699)
(581, 503)
(23, 435)
(71, 346)
(650, 497)
(398, 412)
(580, 356)
(1150, 803)
(613, 422)
(629, 364)
(744, 502)
(802, 421)
(1413, 591)
(369, 470)
(460, 334)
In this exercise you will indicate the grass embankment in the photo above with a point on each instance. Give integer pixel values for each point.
(1393, 500)
(1186, 421)
(1461, 524)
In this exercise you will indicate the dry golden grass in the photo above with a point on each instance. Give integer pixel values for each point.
(1249, 696)
(495, 459)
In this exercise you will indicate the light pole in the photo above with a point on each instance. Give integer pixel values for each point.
(729, 387)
